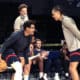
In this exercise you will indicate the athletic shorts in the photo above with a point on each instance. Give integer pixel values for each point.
(75, 56)
(24, 54)
(10, 56)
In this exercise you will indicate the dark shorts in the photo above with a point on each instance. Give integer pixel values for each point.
(75, 56)
(24, 54)
(10, 56)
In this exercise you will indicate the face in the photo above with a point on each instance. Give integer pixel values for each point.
(23, 12)
(56, 15)
(38, 44)
(31, 29)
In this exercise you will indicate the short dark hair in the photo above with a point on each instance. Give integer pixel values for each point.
(37, 40)
(28, 24)
(22, 6)
(58, 8)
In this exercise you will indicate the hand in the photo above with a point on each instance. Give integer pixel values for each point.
(44, 54)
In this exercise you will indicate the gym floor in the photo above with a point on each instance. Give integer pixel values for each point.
(7, 76)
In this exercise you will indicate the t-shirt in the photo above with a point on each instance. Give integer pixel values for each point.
(17, 41)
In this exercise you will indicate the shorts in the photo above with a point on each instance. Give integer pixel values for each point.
(9, 56)
(75, 56)
(24, 54)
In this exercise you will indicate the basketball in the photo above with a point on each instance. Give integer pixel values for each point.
(3, 66)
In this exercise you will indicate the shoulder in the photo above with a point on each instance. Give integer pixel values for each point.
(68, 20)
(16, 34)
(18, 18)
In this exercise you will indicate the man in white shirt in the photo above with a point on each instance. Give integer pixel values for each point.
(18, 24)
(72, 37)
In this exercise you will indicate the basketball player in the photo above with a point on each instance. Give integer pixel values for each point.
(15, 46)
(72, 37)
(27, 67)
(38, 49)
(33, 51)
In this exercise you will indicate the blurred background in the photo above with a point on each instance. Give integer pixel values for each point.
(39, 10)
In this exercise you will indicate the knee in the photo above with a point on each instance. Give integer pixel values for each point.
(41, 59)
(26, 70)
(22, 61)
(72, 69)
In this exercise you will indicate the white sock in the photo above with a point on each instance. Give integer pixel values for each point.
(26, 77)
(41, 74)
(18, 70)
(45, 76)
(56, 74)
(66, 74)
(56, 77)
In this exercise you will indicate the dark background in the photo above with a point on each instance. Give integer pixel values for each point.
(39, 10)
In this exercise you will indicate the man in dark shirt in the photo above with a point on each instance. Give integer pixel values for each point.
(15, 47)
(38, 50)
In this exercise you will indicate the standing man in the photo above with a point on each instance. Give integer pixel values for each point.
(16, 46)
(23, 11)
(72, 37)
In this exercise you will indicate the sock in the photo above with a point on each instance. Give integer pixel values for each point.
(56, 77)
(26, 77)
(56, 74)
(45, 76)
(66, 74)
(41, 74)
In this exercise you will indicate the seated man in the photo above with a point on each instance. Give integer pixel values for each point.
(36, 52)
(15, 47)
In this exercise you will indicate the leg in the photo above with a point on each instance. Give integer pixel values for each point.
(40, 60)
(46, 68)
(27, 68)
(18, 70)
(22, 60)
(12, 77)
(73, 70)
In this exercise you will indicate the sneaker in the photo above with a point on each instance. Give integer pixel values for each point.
(45, 78)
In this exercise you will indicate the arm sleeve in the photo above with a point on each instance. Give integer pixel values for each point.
(17, 25)
(71, 25)
(8, 42)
